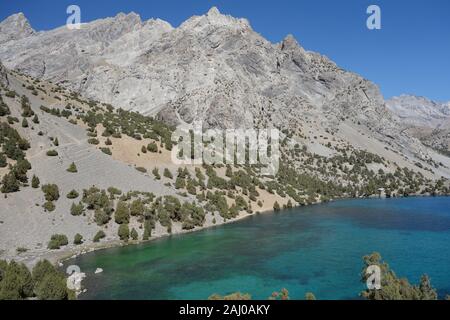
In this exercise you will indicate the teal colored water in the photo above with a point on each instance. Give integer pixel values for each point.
(317, 249)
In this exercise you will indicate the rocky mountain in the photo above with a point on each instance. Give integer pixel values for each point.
(15, 27)
(213, 68)
(3, 75)
(63, 97)
(423, 118)
(420, 111)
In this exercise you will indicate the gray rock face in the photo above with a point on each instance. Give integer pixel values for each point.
(15, 27)
(420, 111)
(423, 118)
(3, 76)
(213, 68)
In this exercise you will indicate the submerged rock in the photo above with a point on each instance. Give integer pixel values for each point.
(98, 270)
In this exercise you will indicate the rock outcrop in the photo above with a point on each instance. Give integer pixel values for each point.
(423, 118)
(15, 27)
(3, 76)
(213, 68)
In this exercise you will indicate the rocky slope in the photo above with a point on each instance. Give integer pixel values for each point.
(213, 68)
(3, 76)
(420, 111)
(423, 118)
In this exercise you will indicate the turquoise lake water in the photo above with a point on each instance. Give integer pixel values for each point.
(317, 249)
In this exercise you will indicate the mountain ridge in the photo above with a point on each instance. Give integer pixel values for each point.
(212, 68)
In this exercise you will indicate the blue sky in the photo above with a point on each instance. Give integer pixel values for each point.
(410, 54)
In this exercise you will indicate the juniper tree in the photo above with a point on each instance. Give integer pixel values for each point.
(35, 182)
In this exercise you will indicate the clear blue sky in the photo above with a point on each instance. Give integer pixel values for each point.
(410, 54)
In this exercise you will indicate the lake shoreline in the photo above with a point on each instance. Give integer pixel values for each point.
(320, 249)
(58, 257)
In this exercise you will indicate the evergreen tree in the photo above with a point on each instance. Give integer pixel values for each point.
(16, 283)
(124, 232)
(10, 183)
(35, 182)
(3, 161)
(122, 214)
(78, 239)
(168, 174)
(98, 236)
(276, 206)
(134, 235)
(77, 209)
(51, 192)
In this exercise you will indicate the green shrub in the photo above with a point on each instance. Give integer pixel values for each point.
(134, 235)
(52, 153)
(73, 194)
(3, 161)
(122, 214)
(78, 239)
(98, 236)
(101, 217)
(124, 232)
(93, 141)
(106, 151)
(141, 169)
(49, 206)
(168, 174)
(137, 208)
(16, 283)
(35, 182)
(57, 241)
(51, 192)
(10, 183)
(49, 283)
(72, 168)
(77, 209)
(276, 206)
(152, 147)
(52, 287)
(156, 174)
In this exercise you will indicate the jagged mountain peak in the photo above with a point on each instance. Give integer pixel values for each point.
(15, 27)
(289, 43)
(215, 18)
(418, 110)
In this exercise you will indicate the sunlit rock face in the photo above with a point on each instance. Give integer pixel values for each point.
(214, 68)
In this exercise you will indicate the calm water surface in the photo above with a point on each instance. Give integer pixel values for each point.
(317, 249)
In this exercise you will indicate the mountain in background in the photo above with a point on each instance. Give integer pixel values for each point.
(212, 68)
(423, 118)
